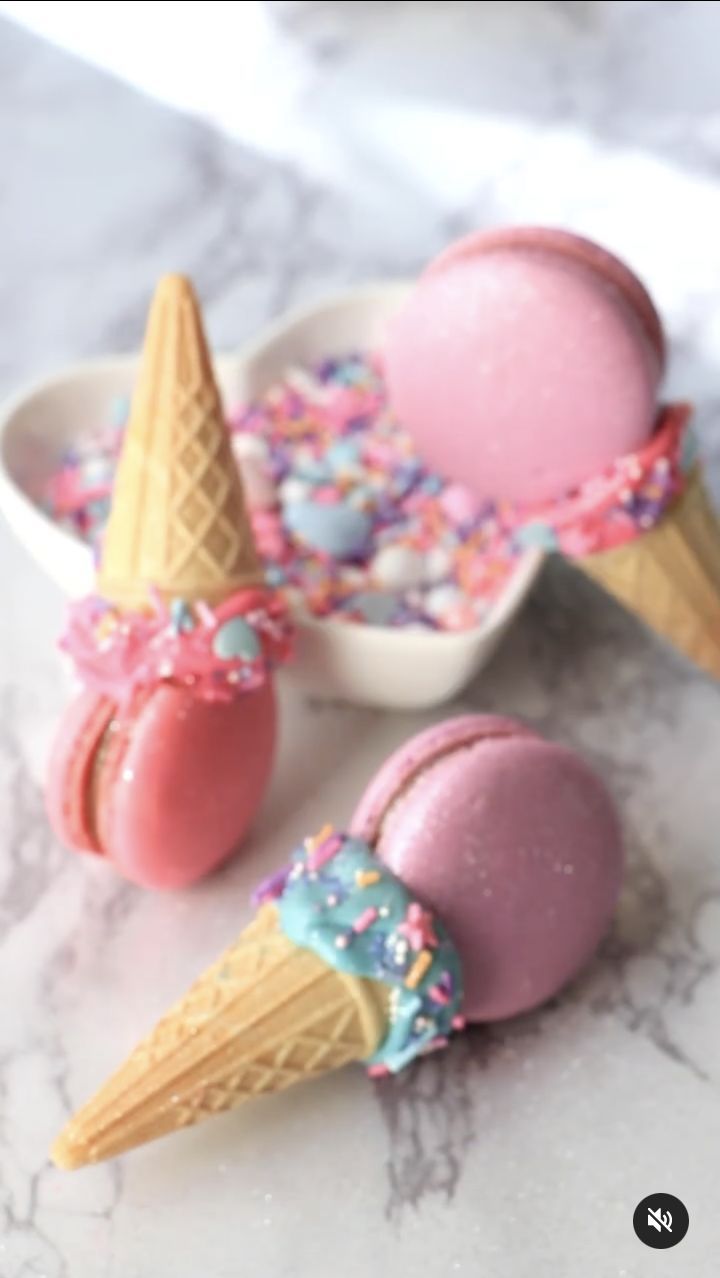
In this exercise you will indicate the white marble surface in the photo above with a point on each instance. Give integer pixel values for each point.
(517, 1152)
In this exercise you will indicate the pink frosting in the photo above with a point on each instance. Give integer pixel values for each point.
(513, 841)
(620, 503)
(524, 362)
(118, 653)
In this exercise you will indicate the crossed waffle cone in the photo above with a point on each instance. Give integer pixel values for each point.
(266, 1015)
(179, 524)
(670, 576)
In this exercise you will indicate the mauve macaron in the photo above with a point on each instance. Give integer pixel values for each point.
(524, 361)
(513, 840)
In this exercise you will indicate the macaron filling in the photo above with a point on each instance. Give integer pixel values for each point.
(410, 763)
(336, 899)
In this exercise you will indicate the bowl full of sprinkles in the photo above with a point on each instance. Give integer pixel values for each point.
(350, 524)
(401, 582)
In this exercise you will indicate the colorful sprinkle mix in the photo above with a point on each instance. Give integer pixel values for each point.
(356, 929)
(351, 524)
(218, 656)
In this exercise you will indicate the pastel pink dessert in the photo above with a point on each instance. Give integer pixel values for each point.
(165, 788)
(514, 842)
(162, 761)
(525, 361)
(479, 873)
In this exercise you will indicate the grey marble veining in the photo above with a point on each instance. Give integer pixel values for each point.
(523, 1149)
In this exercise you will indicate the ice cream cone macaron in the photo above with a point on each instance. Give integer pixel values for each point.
(478, 874)
(162, 760)
(527, 365)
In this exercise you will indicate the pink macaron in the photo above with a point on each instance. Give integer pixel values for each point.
(525, 360)
(513, 840)
(165, 788)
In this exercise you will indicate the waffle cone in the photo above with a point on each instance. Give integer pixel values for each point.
(265, 1016)
(178, 522)
(670, 576)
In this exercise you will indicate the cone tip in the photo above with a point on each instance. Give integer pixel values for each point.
(173, 288)
(69, 1154)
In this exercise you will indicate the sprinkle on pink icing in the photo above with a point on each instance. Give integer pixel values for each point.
(628, 499)
(118, 653)
(459, 503)
(329, 434)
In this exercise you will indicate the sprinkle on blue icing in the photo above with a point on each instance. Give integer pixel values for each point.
(340, 530)
(181, 617)
(275, 575)
(235, 638)
(322, 901)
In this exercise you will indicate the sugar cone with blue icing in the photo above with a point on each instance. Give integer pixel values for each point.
(179, 525)
(340, 964)
(670, 576)
(267, 1015)
(374, 944)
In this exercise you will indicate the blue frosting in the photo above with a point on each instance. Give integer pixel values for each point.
(339, 901)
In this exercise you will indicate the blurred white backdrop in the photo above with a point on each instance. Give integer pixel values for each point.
(601, 116)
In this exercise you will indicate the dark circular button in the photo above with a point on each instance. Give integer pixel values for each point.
(661, 1220)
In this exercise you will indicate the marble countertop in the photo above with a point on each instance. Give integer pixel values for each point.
(521, 1151)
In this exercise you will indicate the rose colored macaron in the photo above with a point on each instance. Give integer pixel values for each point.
(516, 844)
(524, 361)
(166, 788)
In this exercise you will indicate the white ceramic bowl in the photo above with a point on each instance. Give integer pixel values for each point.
(368, 665)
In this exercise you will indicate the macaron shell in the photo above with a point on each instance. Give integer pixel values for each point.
(587, 252)
(176, 799)
(67, 792)
(420, 752)
(523, 371)
(516, 844)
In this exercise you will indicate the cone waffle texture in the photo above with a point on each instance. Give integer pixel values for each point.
(670, 576)
(268, 1014)
(178, 521)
